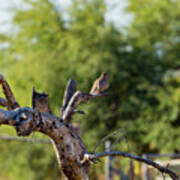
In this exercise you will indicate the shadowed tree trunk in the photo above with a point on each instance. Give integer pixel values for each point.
(73, 158)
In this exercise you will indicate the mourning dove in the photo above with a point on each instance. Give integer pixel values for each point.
(99, 85)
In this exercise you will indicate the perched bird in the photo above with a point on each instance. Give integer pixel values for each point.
(100, 85)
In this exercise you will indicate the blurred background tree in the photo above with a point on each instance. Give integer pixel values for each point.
(142, 61)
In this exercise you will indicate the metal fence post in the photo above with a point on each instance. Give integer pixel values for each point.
(108, 161)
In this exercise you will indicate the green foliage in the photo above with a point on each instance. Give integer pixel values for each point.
(154, 33)
(142, 66)
(29, 160)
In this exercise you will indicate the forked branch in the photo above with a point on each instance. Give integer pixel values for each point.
(72, 105)
(72, 98)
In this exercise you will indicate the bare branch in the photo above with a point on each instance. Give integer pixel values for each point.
(27, 120)
(69, 147)
(115, 133)
(73, 103)
(69, 92)
(40, 102)
(3, 102)
(73, 99)
(162, 169)
(12, 103)
(79, 112)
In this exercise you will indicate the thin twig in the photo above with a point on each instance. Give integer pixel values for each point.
(107, 137)
(137, 158)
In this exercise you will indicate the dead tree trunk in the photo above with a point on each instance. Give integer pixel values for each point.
(73, 158)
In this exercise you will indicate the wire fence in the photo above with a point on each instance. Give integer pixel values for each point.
(36, 155)
(113, 170)
(24, 139)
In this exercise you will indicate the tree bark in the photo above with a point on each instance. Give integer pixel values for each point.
(73, 158)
